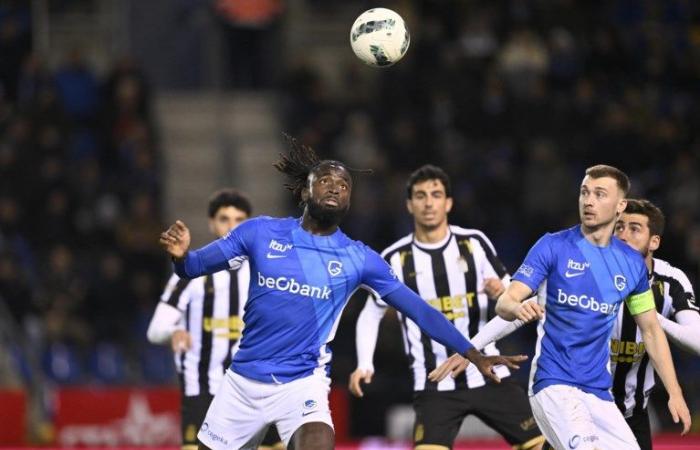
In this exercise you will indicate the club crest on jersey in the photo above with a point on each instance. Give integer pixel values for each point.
(462, 264)
(620, 282)
(335, 268)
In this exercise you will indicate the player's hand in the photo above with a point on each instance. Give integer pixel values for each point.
(176, 240)
(493, 287)
(181, 341)
(358, 376)
(454, 365)
(679, 411)
(485, 363)
(529, 311)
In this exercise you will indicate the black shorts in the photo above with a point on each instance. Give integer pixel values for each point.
(503, 407)
(639, 423)
(194, 410)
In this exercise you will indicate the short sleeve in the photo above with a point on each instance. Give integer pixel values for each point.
(237, 244)
(537, 264)
(378, 275)
(681, 292)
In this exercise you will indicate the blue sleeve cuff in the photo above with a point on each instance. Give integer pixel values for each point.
(206, 260)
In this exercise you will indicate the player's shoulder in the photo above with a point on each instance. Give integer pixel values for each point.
(664, 269)
(471, 233)
(627, 250)
(398, 246)
(567, 234)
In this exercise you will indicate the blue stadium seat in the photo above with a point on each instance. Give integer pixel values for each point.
(107, 364)
(157, 366)
(62, 364)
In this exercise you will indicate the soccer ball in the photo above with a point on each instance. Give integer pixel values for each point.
(379, 37)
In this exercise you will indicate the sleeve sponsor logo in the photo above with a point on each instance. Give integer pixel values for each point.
(526, 270)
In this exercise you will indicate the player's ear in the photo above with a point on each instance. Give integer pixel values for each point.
(621, 207)
(654, 242)
(409, 206)
(305, 194)
(448, 204)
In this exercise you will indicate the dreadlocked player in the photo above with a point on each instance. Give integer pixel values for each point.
(303, 271)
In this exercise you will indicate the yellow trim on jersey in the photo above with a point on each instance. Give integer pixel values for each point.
(430, 447)
(277, 446)
(189, 447)
(529, 444)
(640, 303)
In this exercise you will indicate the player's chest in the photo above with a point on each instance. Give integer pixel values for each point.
(577, 274)
(282, 257)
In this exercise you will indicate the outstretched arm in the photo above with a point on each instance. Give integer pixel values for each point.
(685, 331)
(495, 329)
(660, 356)
(510, 304)
(440, 329)
(192, 264)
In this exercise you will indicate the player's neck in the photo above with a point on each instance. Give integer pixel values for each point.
(430, 235)
(313, 226)
(598, 236)
(649, 261)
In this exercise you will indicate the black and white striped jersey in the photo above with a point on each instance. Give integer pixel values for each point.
(212, 312)
(450, 276)
(633, 375)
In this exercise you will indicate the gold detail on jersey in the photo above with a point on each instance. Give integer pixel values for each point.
(467, 244)
(419, 433)
(530, 444)
(462, 264)
(402, 257)
(190, 433)
(528, 424)
(228, 327)
(626, 351)
(452, 306)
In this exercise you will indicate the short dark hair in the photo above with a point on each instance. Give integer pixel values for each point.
(657, 221)
(229, 197)
(602, 170)
(425, 173)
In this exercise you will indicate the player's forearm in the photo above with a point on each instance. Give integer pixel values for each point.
(428, 319)
(366, 332)
(506, 306)
(206, 260)
(163, 324)
(495, 329)
(660, 356)
(686, 336)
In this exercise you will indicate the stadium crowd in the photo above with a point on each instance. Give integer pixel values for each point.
(513, 98)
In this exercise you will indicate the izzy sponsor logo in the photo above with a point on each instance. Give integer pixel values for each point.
(586, 302)
(279, 246)
(575, 265)
(292, 286)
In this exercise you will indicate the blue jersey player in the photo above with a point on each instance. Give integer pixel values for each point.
(303, 271)
(582, 275)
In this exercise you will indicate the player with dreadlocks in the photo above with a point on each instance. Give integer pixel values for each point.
(303, 271)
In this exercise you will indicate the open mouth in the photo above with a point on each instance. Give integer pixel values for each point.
(330, 201)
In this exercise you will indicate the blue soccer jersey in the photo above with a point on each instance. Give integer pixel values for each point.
(582, 287)
(299, 285)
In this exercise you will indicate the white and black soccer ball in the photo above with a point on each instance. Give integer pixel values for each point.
(379, 37)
